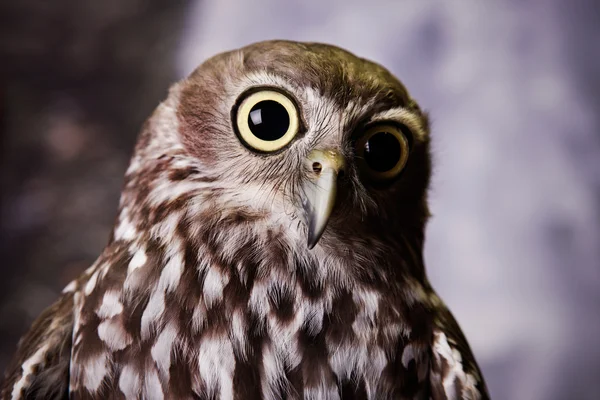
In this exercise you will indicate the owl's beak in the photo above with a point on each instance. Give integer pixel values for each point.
(319, 191)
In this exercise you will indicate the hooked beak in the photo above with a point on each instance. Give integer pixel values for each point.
(320, 190)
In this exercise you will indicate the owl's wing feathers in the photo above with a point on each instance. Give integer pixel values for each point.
(454, 373)
(40, 368)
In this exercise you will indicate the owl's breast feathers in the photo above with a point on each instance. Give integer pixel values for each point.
(148, 321)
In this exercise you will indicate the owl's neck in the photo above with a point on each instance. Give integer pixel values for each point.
(221, 246)
(219, 242)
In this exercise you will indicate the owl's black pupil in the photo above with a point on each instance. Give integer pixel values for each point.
(382, 151)
(268, 120)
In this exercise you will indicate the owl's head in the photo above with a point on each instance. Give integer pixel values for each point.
(304, 138)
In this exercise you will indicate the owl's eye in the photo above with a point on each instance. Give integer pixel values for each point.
(267, 121)
(382, 152)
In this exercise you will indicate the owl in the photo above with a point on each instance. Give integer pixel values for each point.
(268, 245)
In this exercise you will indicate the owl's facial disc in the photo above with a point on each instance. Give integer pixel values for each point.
(319, 191)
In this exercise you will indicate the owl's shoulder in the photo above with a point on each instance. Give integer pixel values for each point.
(454, 370)
(40, 368)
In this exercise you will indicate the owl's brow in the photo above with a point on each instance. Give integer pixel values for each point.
(404, 116)
(324, 113)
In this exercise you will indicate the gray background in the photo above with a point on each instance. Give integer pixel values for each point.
(513, 89)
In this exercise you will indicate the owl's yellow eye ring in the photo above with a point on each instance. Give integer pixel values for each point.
(267, 121)
(382, 152)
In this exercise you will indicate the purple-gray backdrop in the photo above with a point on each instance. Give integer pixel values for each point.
(513, 89)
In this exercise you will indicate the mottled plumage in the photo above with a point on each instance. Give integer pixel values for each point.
(208, 288)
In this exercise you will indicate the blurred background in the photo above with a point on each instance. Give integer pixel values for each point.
(514, 94)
